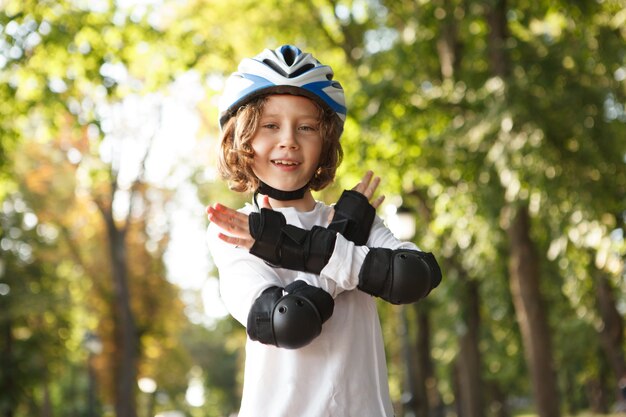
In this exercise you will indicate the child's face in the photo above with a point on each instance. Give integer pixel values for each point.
(287, 144)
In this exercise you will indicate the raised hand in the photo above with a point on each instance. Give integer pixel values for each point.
(234, 223)
(354, 214)
(367, 186)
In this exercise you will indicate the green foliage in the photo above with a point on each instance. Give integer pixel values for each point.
(36, 309)
(426, 113)
(218, 353)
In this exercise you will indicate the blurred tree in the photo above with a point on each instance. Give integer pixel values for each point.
(501, 124)
(474, 109)
(66, 65)
(612, 329)
(475, 105)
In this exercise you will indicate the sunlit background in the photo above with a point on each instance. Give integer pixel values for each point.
(498, 128)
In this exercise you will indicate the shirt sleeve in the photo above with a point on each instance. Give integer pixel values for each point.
(242, 276)
(347, 259)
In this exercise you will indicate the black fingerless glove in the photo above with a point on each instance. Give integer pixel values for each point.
(353, 218)
(287, 246)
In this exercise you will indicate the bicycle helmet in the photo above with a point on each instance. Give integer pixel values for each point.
(285, 70)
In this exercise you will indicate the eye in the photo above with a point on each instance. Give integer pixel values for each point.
(308, 128)
(270, 126)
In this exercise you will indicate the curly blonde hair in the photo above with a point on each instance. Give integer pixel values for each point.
(236, 154)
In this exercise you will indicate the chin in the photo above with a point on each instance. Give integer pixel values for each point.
(291, 188)
(286, 187)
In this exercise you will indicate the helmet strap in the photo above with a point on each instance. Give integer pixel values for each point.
(281, 195)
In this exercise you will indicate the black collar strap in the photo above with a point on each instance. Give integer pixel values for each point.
(280, 195)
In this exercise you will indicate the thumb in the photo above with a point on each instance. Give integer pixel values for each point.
(265, 202)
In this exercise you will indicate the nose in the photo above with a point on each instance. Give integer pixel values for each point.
(288, 139)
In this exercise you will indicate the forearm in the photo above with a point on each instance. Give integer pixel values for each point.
(344, 264)
(274, 311)
(399, 275)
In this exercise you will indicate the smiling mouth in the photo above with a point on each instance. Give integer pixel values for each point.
(285, 163)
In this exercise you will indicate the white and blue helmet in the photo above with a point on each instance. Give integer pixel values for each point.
(285, 70)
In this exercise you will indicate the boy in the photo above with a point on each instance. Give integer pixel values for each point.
(297, 273)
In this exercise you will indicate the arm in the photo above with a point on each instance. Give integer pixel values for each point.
(353, 214)
(352, 217)
(253, 293)
(399, 276)
(396, 272)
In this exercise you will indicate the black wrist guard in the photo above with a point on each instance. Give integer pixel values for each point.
(287, 246)
(399, 276)
(353, 217)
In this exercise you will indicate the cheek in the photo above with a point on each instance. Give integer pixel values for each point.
(319, 149)
(258, 148)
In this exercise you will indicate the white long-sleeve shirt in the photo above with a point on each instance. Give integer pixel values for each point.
(342, 372)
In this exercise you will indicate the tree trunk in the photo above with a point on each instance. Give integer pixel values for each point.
(498, 33)
(422, 353)
(125, 327)
(448, 45)
(524, 261)
(410, 395)
(429, 399)
(456, 389)
(46, 407)
(531, 314)
(7, 384)
(498, 405)
(612, 331)
(469, 360)
(595, 395)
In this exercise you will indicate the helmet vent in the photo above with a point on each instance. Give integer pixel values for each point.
(289, 54)
(302, 70)
(273, 65)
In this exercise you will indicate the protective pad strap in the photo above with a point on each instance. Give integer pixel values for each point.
(320, 298)
(259, 326)
(399, 276)
(265, 228)
(306, 250)
(281, 195)
(353, 217)
(288, 246)
(291, 320)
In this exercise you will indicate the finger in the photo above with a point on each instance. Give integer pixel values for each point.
(371, 188)
(226, 214)
(365, 181)
(217, 216)
(225, 209)
(376, 203)
(235, 223)
(265, 203)
(236, 241)
(362, 185)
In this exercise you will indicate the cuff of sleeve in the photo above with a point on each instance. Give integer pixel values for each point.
(344, 264)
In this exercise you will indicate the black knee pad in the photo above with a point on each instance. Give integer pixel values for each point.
(292, 320)
(399, 276)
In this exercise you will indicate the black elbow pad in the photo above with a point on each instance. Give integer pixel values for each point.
(292, 320)
(399, 276)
